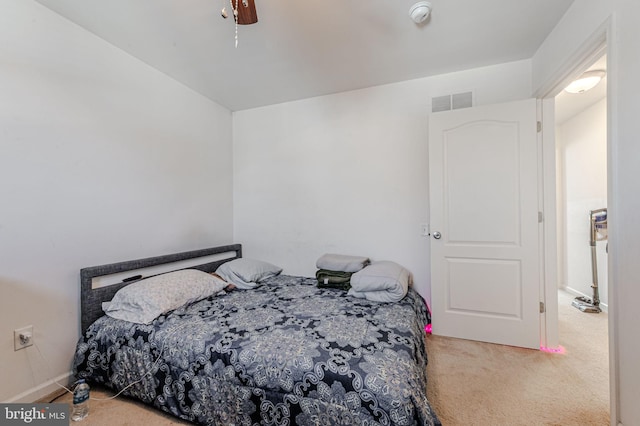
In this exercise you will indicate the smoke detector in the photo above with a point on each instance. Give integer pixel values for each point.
(420, 11)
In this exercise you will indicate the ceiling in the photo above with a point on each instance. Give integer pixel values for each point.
(301, 49)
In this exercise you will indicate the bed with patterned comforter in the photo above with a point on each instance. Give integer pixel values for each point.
(284, 353)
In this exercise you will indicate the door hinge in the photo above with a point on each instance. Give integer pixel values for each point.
(542, 310)
(539, 126)
(540, 217)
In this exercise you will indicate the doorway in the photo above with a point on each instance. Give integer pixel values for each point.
(581, 191)
(581, 158)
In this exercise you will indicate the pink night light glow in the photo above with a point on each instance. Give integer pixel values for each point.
(427, 327)
(559, 350)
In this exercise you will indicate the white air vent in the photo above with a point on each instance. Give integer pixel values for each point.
(441, 103)
(455, 101)
(461, 100)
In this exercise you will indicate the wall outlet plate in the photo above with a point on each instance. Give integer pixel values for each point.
(22, 337)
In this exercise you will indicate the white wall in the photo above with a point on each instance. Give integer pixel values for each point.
(582, 21)
(348, 173)
(102, 159)
(582, 147)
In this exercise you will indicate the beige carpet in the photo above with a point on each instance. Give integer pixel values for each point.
(473, 383)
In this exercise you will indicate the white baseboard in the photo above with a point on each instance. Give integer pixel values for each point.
(574, 292)
(42, 390)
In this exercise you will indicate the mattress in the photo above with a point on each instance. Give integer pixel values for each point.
(286, 352)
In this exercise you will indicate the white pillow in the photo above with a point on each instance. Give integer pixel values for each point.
(246, 273)
(145, 300)
(382, 281)
(342, 262)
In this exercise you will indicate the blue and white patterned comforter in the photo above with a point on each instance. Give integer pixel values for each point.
(285, 353)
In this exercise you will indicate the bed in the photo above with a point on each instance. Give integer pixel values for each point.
(286, 352)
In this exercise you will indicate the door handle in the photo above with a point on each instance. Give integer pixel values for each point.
(437, 235)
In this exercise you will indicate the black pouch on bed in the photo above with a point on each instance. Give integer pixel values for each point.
(334, 279)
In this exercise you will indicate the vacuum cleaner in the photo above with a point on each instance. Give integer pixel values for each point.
(598, 231)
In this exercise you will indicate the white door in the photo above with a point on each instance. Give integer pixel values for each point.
(485, 273)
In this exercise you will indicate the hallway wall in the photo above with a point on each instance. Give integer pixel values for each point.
(582, 157)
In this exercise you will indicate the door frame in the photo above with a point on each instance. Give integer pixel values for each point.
(593, 48)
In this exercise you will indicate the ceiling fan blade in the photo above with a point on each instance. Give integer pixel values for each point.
(247, 14)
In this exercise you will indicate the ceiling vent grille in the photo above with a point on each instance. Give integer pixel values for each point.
(455, 101)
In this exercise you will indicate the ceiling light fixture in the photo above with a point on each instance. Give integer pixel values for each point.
(244, 13)
(586, 81)
(420, 11)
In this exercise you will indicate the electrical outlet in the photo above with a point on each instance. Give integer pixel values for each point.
(22, 337)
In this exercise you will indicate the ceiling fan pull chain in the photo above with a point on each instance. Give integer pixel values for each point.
(235, 16)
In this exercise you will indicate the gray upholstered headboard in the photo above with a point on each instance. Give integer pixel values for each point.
(91, 298)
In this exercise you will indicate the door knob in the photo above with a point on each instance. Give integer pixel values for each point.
(437, 235)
